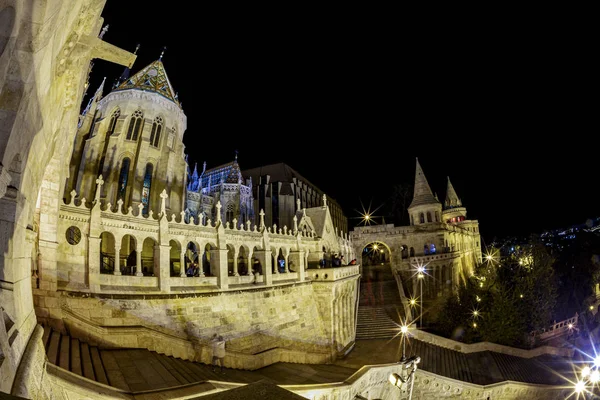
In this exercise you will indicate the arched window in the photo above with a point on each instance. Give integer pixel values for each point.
(156, 129)
(146, 188)
(422, 218)
(135, 125)
(437, 216)
(229, 213)
(113, 122)
(428, 216)
(123, 176)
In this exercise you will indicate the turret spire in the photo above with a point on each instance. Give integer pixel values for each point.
(452, 199)
(422, 192)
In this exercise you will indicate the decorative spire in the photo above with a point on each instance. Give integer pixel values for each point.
(203, 167)
(236, 154)
(137, 47)
(96, 98)
(103, 31)
(422, 194)
(162, 53)
(452, 199)
(324, 200)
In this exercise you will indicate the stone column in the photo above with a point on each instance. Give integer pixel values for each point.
(276, 258)
(249, 264)
(117, 270)
(138, 261)
(94, 263)
(164, 273)
(287, 265)
(182, 269)
(219, 256)
(298, 258)
(235, 263)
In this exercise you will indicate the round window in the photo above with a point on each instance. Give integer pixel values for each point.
(73, 235)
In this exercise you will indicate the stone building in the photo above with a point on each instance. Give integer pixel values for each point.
(277, 187)
(226, 184)
(440, 239)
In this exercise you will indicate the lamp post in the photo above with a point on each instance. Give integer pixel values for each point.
(421, 276)
(408, 367)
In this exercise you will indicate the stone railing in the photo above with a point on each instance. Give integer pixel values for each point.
(371, 381)
(559, 328)
(487, 346)
(434, 257)
(333, 274)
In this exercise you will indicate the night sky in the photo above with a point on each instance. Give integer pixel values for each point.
(507, 117)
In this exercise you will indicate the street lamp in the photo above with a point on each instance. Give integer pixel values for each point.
(408, 369)
(421, 276)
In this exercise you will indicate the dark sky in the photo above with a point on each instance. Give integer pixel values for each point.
(507, 115)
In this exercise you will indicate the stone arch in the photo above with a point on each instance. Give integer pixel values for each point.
(231, 259)
(149, 259)
(127, 253)
(107, 252)
(375, 251)
(207, 264)
(193, 255)
(7, 22)
(421, 218)
(244, 261)
(175, 266)
(256, 263)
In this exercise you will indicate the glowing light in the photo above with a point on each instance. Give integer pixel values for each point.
(421, 269)
(474, 324)
(579, 387)
(478, 298)
(367, 217)
(375, 246)
(521, 296)
(413, 302)
(489, 257)
(475, 313)
(585, 371)
(480, 284)
(591, 308)
(420, 275)
(404, 329)
(570, 326)
(597, 361)
(595, 376)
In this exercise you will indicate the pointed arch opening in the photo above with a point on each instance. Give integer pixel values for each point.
(157, 127)
(135, 125)
(123, 178)
(146, 188)
(113, 122)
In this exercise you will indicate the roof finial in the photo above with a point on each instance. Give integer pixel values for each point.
(162, 53)
(236, 153)
(137, 47)
(103, 31)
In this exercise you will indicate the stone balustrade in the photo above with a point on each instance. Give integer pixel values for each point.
(422, 259)
(559, 328)
(333, 274)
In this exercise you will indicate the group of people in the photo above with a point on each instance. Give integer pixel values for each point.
(193, 270)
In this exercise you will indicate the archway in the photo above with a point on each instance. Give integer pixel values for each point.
(175, 266)
(107, 253)
(256, 263)
(128, 255)
(231, 260)
(149, 260)
(243, 260)
(192, 257)
(206, 260)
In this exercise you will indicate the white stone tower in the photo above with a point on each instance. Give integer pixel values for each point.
(424, 208)
(133, 138)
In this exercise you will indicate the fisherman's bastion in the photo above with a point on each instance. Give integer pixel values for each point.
(101, 219)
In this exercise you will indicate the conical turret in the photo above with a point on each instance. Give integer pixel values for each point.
(452, 199)
(453, 209)
(425, 207)
(422, 191)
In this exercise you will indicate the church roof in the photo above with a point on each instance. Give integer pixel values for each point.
(318, 217)
(152, 78)
(235, 175)
(422, 194)
(452, 199)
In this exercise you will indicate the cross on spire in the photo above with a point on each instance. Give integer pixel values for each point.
(262, 218)
(236, 154)
(324, 200)
(162, 53)
(218, 207)
(297, 204)
(99, 183)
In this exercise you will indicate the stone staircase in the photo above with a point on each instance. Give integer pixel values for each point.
(374, 323)
(127, 369)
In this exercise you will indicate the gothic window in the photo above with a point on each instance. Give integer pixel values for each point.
(146, 188)
(156, 130)
(123, 176)
(229, 213)
(422, 218)
(113, 122)
(428, 216)
(437, 216)
(135, 125)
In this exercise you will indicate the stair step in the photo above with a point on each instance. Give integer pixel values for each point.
(53, 348)
(65, 350)
(46, 337)
(76, 357)
(163, 360)
(98, 367)
(86, 361)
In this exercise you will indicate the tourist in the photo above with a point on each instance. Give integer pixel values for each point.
(190, 271)
(196, 269)
(218, 352)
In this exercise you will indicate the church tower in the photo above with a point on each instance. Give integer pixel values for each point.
(424, 208)
(133, 138)
(453, 209)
